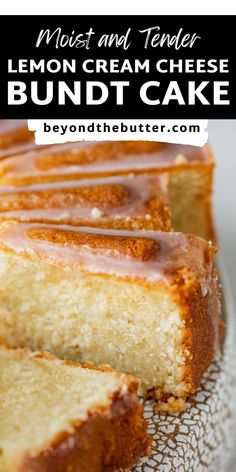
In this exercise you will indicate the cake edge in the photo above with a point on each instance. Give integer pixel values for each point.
(113, 438)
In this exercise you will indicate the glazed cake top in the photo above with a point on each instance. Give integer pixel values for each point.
(8, 126)
(15, 138)
(44, 399)
(149, 256)
(93, 159)
(128, 202)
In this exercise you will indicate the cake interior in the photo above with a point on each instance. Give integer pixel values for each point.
(41, 397)
(190, 194)
(83, 317)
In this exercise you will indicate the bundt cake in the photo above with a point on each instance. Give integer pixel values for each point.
(90, 267)
(190, 169)
(15, 138)
(57, 416)
(147, 303)
(130, 202)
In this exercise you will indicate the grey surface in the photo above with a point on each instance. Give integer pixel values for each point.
(222, 137)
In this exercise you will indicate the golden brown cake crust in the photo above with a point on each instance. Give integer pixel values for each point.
(93, 159)
(201, 314)
(13, 132)
(185, 165)
(199, 296)
(15, 138)
(152, 255)
(128, 202)
(107, 441)
(202, 332)
(111, 438)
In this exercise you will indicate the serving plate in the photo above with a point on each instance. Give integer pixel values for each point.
(201, 439)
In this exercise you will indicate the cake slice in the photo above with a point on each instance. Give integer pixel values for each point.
(190, 169)
(59, 416)
(15, 138)
(147, 303)
(13, 133)
(130, 202)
